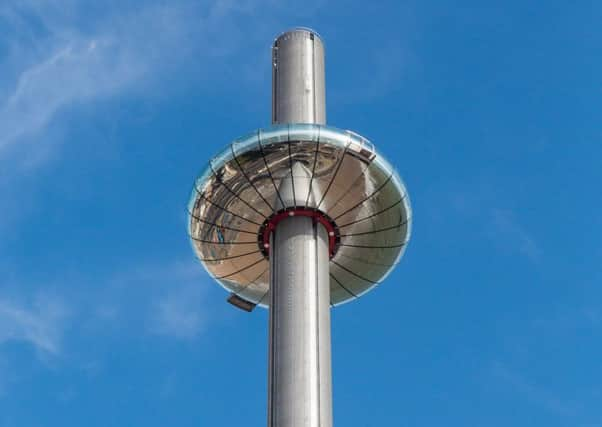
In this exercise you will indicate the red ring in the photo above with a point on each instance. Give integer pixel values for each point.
(270, 225)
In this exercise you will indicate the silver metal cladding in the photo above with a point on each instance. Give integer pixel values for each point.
(300, 381)
(298, 85)
(300, 392)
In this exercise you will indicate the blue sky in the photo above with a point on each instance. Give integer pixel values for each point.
(492, 113)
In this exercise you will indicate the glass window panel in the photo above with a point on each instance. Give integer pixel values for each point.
(387, 236)
(275, 149)
(246, 143)
(337, 294)
(248, 202)
(238, 270)
(250, 159)
(336, 137)
(218, 251)
(361, 147)
(219, 206)
(274, 134)
(350, 281)
(223, 157)
(330, 160)
(203, 179)
(347, 180)
(303, 156)
(303, 132)
(256, 288)
(366, 185)
(375, 193)
(370, 263)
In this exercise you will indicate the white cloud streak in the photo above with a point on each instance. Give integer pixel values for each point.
(40, 324)
(510, 231)
(166, 300)
(535, 393)
(52, 63)
(501, 225)
(83, 69)
(55, 65)
(179, 314)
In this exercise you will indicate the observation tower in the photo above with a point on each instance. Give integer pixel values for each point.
(297, 218)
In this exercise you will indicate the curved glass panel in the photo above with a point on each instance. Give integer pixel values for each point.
(248, 157)
(299, 165)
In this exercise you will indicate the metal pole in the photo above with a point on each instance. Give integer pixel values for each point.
(298, 84)
(300, 379)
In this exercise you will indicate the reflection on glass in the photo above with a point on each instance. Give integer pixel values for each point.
(303, 165)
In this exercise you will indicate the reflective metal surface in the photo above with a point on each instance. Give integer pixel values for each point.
(299, 242)
(348, 180)
(298, 88)
(300, 380)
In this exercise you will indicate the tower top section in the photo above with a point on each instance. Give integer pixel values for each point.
(303, 31)
(298, 84)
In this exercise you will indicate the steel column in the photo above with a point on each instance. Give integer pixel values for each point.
(298, 84)
(300, 373)
(300, 379)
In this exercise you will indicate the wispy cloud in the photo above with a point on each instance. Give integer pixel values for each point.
(388, 66)
(61, 60)
(77, 324)
(82, 69)
(40, 324)
(166, 300)
(502, 226)
(535, 393)
(54, 63)
(506, 228)
(180, 313)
